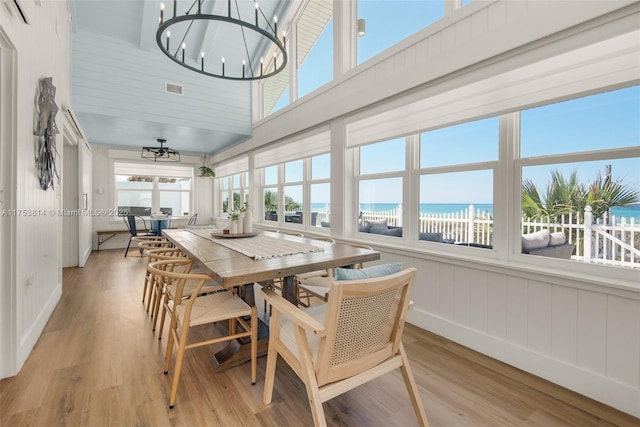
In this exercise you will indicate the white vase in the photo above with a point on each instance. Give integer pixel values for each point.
(233, 227)
(248, 222)
(240, 224)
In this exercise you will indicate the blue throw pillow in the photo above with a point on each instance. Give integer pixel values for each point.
(369, 272)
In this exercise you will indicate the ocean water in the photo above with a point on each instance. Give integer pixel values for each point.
(632, 211)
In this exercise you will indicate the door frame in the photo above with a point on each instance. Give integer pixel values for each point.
(8, 127)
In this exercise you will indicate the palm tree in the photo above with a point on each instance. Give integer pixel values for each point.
(563, 196)
(270, 201)
(604, 194)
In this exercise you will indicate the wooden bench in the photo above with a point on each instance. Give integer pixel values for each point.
(109, 234)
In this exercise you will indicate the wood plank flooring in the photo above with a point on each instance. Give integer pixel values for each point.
(98, 364)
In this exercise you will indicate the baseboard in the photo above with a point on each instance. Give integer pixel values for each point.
(605, 390)
(31, 337)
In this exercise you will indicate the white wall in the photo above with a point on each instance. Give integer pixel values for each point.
(578, 330)
(103, 158)
(42, 50)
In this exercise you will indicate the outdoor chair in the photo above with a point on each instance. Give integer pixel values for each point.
(338, 346)
(130, 221)
(191, 309)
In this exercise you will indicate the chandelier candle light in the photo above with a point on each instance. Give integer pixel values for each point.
(264, 40)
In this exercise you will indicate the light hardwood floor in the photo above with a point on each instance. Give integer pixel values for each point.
(98, 364)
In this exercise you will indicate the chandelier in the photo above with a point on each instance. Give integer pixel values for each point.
(160, 154)
(232, 32)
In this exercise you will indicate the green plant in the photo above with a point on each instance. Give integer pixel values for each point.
(206, 171)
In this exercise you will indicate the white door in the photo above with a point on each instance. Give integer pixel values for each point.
(85, 219)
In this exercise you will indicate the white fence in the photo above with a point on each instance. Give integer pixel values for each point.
(604, 240)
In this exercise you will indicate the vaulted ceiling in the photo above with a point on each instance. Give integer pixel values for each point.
(119, 76)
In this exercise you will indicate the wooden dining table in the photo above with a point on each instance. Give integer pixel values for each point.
(233, 269)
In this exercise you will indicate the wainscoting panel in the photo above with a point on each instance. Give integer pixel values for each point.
(585, 340)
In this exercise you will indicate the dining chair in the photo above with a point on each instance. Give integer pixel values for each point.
(198, 310)
(130, 222)
(149, 246)
(354, 338)
(166, 294)
(318, 286)
(193, 219)
(301, 278)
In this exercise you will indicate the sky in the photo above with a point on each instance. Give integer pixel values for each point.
(604, 121)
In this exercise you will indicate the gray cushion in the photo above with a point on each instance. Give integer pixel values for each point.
(378, 229)
(366, 226)
(431, 237)
(368, 272)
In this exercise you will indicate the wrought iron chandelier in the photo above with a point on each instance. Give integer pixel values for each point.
(160, 154)
(265, 38)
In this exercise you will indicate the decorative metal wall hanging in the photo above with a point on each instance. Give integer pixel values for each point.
(46, 131)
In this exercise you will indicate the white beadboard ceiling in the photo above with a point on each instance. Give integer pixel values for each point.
(118, 76)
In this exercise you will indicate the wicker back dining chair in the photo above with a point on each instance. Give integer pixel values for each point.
(352, 339)
(193, 309)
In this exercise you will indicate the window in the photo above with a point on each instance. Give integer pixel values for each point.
(456, 183)
(388, 22)
(234, 191)
(581, 159)
(293, 187)
(380, 187)
(320, 190)
(232, 185)
(295, 178)
(315, 46)
(141, 189)
(270, 179)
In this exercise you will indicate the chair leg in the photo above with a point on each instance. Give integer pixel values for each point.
(164, 313)
(156, 306)
(144, 289)
(310, 381)
(254, 344)
(272, 358)
(178, 366)
(127, 251)
(412, 388)
(168, 354)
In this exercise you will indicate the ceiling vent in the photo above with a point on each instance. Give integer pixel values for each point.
(174, 88)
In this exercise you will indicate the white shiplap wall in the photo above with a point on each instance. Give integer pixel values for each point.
(576, 331)
(42, 50)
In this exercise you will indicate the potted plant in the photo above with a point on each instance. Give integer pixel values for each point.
(207, 172)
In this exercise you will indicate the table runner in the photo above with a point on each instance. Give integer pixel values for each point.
(260, 246)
